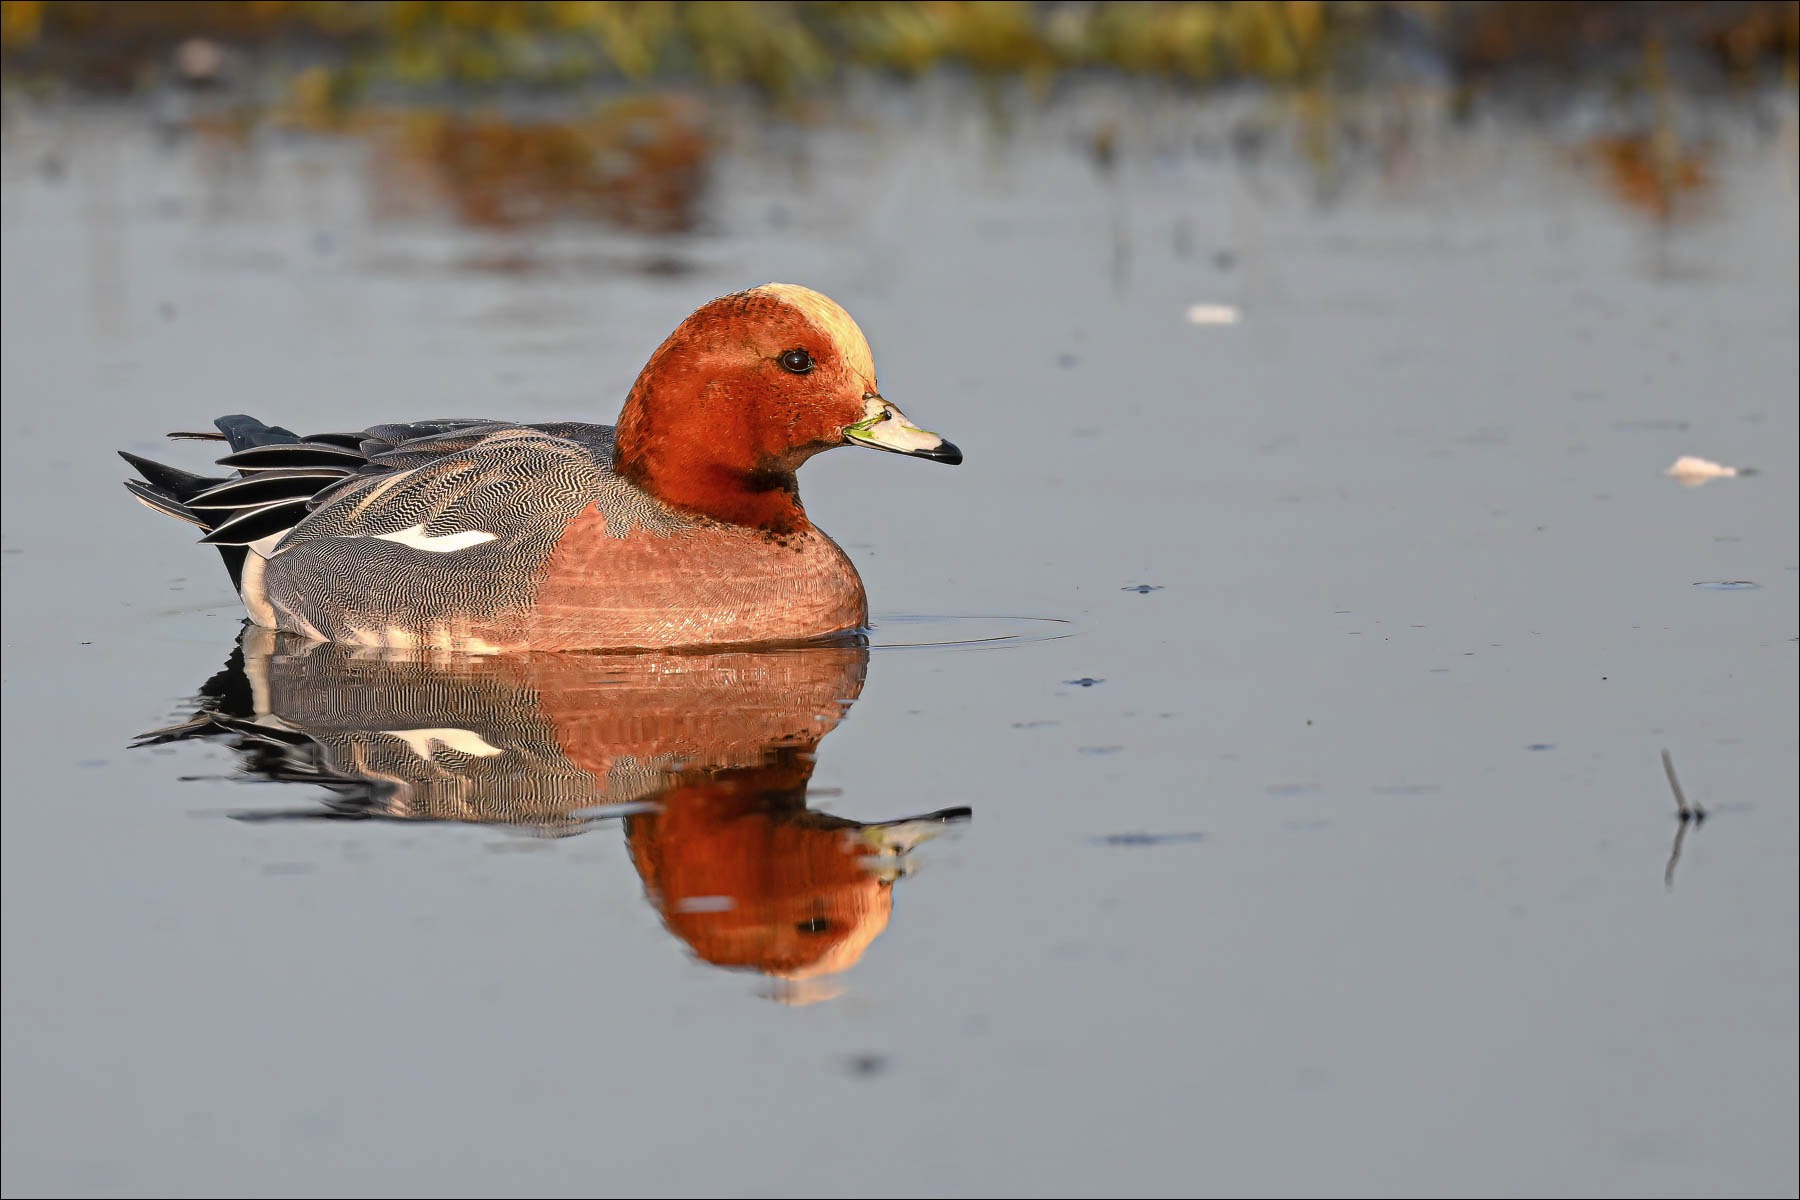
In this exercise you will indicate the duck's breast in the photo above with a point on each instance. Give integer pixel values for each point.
(707, 583)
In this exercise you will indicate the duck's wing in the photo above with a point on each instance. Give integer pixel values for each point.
(399, 527)
(448, 532)
(456, 489)
(278, 477)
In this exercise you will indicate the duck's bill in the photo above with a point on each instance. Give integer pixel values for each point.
(885, 427)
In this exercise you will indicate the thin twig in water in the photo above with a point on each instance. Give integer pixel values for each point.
(1685, 814)
(1685, 811)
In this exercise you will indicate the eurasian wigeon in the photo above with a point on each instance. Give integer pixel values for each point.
(680, 526)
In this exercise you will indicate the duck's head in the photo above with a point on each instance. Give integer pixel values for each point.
(744, 391)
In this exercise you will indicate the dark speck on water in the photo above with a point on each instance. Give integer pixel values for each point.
(1728, 585)
(1541, 746)
(1651, 426)
(866, 1066)
(1085, 681)
(1147, 839)
(1143, 589)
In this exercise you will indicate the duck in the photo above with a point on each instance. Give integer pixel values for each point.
(679, 526)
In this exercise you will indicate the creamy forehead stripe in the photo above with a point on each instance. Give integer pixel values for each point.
(832, 320)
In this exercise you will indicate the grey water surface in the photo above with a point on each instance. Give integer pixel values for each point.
(1302, 635)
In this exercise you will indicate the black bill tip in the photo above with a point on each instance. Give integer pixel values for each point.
(944, 452)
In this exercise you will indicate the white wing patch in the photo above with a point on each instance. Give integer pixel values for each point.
(448, 543)
(465, 741)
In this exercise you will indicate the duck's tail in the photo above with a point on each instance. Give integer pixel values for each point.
(277, 475)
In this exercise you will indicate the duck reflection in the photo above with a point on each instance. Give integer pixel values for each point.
(707, 758)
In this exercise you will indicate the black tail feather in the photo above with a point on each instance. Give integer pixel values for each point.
(295, 455)
(266, 487)
(168, 489)
(163, 502)
(244, 432)
(179, 484)
(253, 524)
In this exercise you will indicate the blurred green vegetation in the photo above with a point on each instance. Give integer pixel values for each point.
(781, 47)
(632, 144)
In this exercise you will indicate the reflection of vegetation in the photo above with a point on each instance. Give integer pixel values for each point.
(628, 142)
(777, 46)
(780, 46)
(1648, 166)
(634, 164)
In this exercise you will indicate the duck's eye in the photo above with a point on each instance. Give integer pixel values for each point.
(799, 362)
(815, 925)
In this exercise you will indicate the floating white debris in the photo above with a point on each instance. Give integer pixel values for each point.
(1690, 471)
(1214, 314)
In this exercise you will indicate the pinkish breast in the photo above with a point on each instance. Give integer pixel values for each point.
(708, 584)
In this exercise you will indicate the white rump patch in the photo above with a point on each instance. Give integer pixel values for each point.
(465, 741)
(256, 593)
(448, 543)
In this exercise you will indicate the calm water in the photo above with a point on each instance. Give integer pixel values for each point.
(1253, 785)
